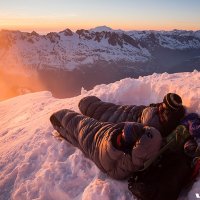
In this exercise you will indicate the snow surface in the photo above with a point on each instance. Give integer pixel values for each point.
(35, 163)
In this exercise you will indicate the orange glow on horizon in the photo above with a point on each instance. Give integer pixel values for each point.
(18, 79)
(14, 83)
(56, 25)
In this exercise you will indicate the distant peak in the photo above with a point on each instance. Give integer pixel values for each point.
(101, 28)
(34, 33)
(67, 32)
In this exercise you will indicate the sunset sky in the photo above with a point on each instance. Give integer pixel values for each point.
(56, 15)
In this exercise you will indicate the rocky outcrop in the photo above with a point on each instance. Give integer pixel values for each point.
(53, 37)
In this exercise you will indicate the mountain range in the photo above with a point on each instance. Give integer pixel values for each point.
(66, 61)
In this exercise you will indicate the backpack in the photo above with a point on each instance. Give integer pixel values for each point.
(164, 179)
(164, 176)
(174, 141)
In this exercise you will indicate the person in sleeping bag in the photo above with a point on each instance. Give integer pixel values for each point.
(164, 116)
(118, 149)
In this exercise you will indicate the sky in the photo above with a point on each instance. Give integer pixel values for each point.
(56, 15)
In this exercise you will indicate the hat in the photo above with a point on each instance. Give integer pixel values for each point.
(132, 132)
(172, 101)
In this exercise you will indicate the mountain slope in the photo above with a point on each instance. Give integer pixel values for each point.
(36, 164)
(69, 50)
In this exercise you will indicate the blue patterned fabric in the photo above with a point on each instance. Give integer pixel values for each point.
(192, 122)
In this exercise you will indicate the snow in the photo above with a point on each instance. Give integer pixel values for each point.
(105, 29)
(68, 52)
(197, 34)
(101, 28)
(176, 39)
(35, 163)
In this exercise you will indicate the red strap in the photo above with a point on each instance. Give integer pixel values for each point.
(119, 137)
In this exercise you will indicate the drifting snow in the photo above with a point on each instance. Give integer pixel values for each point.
(36, 164)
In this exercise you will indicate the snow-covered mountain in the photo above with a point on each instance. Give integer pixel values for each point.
(69, 50)
(66, 61)
(36, 164)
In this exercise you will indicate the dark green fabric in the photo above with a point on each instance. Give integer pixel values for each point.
(178, 137)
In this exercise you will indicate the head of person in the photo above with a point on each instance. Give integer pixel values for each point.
(130, 134)
(135, 134)
(172, 101)
(171, 108)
